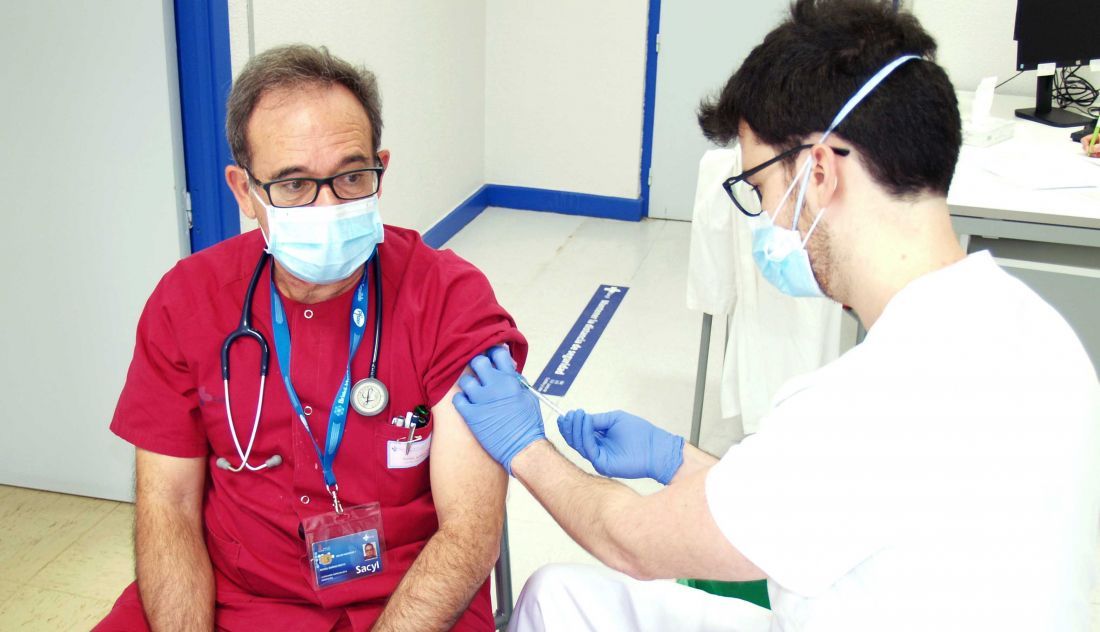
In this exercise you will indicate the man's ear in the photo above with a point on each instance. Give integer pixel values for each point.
(824, 176)
(384, 156)
(237, 179)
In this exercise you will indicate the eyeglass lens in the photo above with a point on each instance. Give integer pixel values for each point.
(347, 186)
(747, 198)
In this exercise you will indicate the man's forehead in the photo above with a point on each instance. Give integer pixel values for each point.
(303, 120)
(309, 105)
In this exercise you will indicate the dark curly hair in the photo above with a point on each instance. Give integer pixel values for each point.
(792, 85)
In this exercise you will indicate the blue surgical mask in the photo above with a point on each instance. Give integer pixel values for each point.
(781, 255)
(780, 252)
(324, 244)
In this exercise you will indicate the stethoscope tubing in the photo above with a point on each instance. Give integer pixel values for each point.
(373, 373)
(245, 330)
(255, 427)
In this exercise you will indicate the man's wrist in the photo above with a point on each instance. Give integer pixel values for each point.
(671, 460)
(521, 462)
(694, 460)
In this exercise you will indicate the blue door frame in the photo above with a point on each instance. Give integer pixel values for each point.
(653, 28)
(205, 75)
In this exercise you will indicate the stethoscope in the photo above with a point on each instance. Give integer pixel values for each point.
(369, 396)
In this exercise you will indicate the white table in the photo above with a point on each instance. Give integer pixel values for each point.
(1048, 238)
(978, 194)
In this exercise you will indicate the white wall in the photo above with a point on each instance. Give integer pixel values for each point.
(429, 59)
(542, 94)
(975, 41)
(565, 81)
(92, 174)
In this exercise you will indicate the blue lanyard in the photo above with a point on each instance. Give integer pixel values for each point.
(337, 419)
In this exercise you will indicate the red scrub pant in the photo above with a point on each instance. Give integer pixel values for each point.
(128, 615)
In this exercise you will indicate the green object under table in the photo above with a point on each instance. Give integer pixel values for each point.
(753, 592)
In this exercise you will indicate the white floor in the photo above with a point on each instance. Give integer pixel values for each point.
(65, 558)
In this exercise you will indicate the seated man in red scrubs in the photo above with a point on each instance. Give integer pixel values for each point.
(257, 497)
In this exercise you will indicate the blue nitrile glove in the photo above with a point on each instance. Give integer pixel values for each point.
(624, 446)
(503, 415)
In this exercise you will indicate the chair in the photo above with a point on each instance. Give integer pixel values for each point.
(502, 576)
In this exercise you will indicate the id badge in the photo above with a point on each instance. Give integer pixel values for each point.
(345, 546)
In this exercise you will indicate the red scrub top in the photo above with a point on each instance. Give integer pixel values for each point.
(439, 312)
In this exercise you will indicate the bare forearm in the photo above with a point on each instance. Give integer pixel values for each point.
(438, 587)
(173, 570)
(587, 507)
(670, 533)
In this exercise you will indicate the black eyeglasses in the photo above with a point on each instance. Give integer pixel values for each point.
(300, 191)
(742, 204)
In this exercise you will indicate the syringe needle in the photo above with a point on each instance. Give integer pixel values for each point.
(542, 398)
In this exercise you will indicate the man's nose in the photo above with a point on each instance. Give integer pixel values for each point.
(327, 196)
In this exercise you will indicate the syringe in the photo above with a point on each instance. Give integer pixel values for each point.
(542, 398)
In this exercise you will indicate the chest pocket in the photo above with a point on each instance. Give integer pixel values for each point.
(400, 478)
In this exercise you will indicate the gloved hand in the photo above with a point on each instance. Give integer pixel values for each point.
(622, 445)
(503, 415)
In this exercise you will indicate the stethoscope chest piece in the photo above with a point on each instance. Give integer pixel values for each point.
(369, 397)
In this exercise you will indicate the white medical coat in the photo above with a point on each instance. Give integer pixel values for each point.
(940, 476)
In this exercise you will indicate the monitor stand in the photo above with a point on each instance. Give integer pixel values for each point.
(1047, 115)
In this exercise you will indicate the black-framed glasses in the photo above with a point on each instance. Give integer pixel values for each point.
(742, 205)
(301, 191)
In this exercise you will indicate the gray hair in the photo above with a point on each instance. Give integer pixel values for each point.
(292, 67)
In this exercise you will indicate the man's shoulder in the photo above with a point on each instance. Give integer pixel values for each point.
(1003, 309)
(422, 265)
(213, 268)
(228, 259)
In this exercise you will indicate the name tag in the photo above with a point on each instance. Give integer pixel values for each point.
(351, 556)
(396, 459)
(345, 546)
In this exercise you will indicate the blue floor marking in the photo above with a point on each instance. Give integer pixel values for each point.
(567, 361)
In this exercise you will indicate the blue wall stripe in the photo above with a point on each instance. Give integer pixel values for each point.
(457, 219)
(205, 76)
(531, 199)
(653, 28)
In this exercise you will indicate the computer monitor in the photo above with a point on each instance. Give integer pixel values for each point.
(1059, 32)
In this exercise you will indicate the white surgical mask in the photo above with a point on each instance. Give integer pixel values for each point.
(324, 244)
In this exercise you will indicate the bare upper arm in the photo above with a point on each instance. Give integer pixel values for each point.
(170, 481)
(468, 486)
(675, 535)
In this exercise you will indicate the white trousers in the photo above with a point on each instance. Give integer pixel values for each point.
(577, 598)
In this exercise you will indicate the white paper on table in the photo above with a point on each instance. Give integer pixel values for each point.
(1052, 172)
